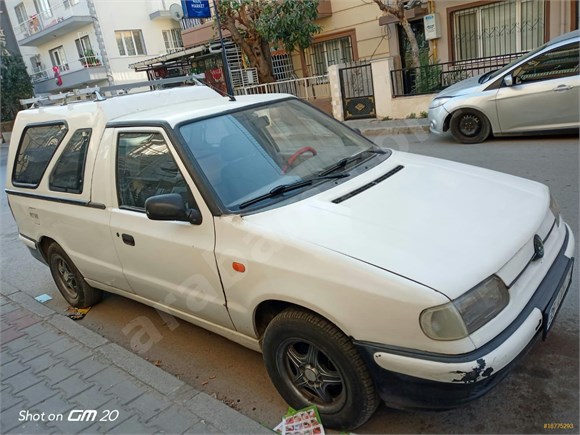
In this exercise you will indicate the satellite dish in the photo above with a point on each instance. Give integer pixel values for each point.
(176, 12)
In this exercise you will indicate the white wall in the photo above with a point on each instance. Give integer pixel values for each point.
(117, 15)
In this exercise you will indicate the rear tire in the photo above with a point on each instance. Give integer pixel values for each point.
(469, 126)
(68, 279)
(311, 362)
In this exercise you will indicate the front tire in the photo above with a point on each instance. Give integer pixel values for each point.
(469, 126)
(311, 362)
(68, 279)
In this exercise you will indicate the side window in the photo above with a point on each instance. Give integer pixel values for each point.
(555, 64)
(36, 149)
(68, 173)
(146, 168)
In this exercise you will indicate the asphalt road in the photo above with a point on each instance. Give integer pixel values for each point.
(543, 389)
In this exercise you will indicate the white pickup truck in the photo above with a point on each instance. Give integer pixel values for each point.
(360, 273)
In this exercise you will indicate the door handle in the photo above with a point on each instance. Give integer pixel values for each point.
(128, 239)
(562, 88)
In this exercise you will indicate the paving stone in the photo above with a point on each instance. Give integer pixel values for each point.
(72, 386)
(222, 416)
(9, 335)
(17, 345)
(36, 394)
(25, 322)
(21, 381)
(88, 367)
(109, 377)
(149, 404)
(12, 368)
(7, 399)
(91, 398)
(6, 308)
(126, 391)
(141, 369)
(14, 315)
(30, 353)
(79, 332)
(9, 418)
(132, 426)
(32, 427)
(57, 373)
(174, 420)
(74, 355)
(112, 414)
(60, 346)
(55, 405)
(49, 336)
(40, 364)
(41, 333)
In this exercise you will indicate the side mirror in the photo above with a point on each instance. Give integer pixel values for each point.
(171, 207)
(357, 130)
(508, 80)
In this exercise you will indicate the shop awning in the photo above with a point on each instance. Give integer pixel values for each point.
(170, 57)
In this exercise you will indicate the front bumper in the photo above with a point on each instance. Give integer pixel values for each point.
(413, 379)
(437, 119)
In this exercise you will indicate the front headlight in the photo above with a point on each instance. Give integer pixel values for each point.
(466, 314)
(555, 209)
(439, 101)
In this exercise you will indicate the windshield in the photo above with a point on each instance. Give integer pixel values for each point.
(248, 153)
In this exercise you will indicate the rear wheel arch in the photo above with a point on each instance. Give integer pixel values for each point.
(43, 243)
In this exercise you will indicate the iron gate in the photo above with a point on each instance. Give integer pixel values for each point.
(358, 97)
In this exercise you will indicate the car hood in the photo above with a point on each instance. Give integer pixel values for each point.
(461, 88)
(445, 225)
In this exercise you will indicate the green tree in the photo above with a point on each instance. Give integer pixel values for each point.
(290, 24)
(258, 25)
(15, 84)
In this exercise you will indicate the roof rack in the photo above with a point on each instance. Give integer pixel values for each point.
(100, 92)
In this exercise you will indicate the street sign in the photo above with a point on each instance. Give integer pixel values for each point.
(196, 8)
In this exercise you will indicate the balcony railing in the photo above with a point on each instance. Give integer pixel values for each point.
(430, 79)
(40, 75)
(52, 17)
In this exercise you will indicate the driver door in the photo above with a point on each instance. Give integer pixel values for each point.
(545, 93)
(166, 262)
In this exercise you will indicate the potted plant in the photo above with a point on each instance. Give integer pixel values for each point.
(90, 59)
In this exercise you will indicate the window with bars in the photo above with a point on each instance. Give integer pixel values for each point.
(172, 40)
(130, 42)
(510, 26)
(321, 55)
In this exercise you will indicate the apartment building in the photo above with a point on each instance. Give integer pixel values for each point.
(90, 42)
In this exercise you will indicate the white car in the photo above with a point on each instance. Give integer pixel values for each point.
(360, 273)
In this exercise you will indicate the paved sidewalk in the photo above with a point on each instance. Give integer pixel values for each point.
(52, 367)
(378, 127)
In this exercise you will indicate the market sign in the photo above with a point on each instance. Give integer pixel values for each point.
(196, 8)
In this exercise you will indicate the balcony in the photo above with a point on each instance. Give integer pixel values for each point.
(77, 74)
(53, 23)
(159, 9)
(324, 9)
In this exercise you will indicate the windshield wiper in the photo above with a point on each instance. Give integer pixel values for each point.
(343, 162)
(283, 188)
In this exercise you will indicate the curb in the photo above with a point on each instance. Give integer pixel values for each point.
(217, 413)
(387, 131)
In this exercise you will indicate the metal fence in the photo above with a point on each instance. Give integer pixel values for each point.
(430, 79)
(307, 88)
